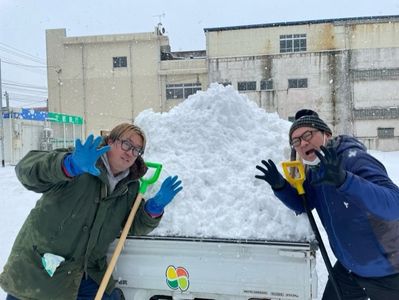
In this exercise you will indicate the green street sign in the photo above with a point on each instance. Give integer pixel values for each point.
(63, 118)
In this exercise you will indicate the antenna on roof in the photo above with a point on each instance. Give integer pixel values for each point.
(159, 29)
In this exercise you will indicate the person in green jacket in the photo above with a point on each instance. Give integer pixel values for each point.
(87, 195)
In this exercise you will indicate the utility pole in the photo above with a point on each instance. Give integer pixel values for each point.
(7, 101)
(1, 123)
(8, 110)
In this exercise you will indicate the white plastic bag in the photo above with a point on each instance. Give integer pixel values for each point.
(51, 262)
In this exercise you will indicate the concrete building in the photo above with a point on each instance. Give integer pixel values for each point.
(110, 79)
(346, 69)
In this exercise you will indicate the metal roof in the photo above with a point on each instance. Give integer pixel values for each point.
(354, 20)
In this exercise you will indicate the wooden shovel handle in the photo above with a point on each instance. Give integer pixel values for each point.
(118, 248)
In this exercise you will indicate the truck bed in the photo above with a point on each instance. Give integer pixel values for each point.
(198, 268)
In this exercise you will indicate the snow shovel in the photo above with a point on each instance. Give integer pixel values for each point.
(144, 183)
(295, 174)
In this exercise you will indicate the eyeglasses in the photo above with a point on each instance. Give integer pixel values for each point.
(127, 146)
(306, 136)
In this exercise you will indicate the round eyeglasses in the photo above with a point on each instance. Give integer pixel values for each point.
(306, 136)
(127, 146)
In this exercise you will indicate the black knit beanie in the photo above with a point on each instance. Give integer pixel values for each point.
(308, 118)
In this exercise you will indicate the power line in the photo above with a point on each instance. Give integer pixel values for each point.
(25, 104)
(27, 93)
(29, 68)
(20, 53)
(24, 97)
(24, 85)
(22, 65)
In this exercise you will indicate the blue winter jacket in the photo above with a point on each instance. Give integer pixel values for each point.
(361, 217)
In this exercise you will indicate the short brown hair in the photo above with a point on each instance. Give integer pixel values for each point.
(123, 128)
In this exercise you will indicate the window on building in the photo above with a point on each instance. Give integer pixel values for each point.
(292, 43)
(376, 74)
(120, 61)
(266, 85)
(182, 90)
(190, 89)
(376, 113)
(225, 83)
(291, 118)
(246, 85)
(297, 83)
(384, 133)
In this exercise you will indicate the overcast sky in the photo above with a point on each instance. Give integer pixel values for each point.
(23, 24)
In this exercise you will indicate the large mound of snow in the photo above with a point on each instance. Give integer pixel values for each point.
(213, 141)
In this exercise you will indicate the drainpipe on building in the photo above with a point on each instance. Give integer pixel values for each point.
(131, 81)
(85, 112)
(159, 77)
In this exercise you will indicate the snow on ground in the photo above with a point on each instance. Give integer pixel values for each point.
(213, 141)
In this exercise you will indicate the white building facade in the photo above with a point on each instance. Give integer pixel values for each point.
(346, 69)
(110, 79)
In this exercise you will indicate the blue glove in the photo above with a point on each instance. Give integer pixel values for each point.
(169, 188)
(84, 157)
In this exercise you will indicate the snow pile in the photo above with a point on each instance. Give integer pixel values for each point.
(213, 141)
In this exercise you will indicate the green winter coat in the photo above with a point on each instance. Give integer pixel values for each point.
(75, 219)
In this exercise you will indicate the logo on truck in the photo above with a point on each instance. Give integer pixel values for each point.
(177, 278)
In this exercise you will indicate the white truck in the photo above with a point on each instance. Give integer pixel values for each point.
(161, 268)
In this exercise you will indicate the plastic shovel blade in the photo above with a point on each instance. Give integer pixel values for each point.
(145, 182)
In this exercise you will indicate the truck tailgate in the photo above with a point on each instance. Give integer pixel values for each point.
(189, 268)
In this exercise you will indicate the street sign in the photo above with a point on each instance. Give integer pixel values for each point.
(63, 118)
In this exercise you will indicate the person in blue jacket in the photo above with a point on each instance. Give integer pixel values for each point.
(358, 205)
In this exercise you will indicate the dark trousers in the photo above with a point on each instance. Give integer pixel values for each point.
(354, 287)
(88, 290)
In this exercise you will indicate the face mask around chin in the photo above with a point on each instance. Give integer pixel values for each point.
(315, 162)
